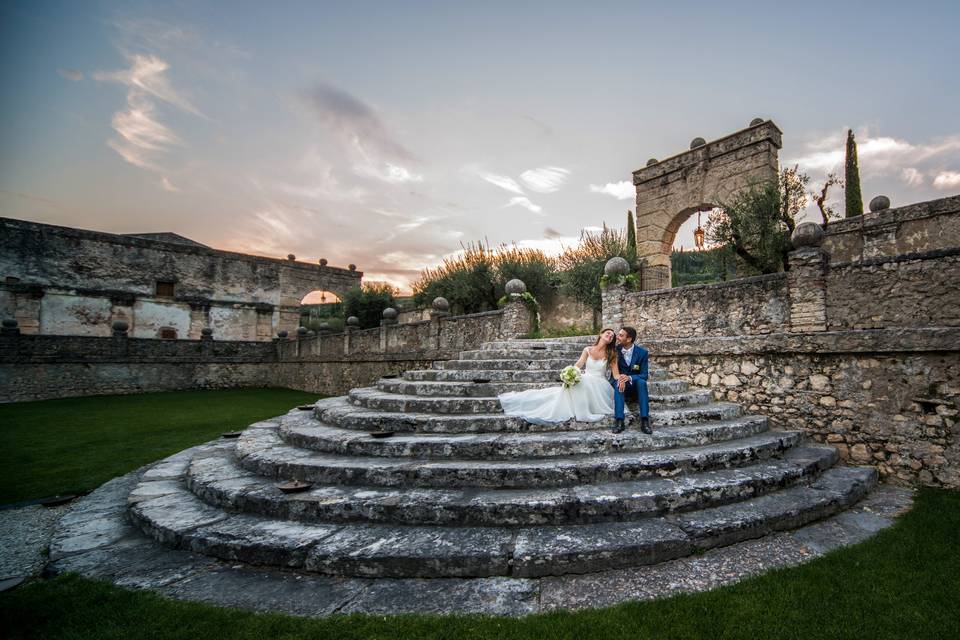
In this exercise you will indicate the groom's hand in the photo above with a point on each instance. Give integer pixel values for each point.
(623, 379)
(622, 384)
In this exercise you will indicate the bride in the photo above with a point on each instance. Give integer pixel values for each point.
(588, 401)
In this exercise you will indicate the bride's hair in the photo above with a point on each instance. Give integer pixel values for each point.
(610, 351)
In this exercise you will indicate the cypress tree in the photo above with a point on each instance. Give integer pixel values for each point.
(854, 200)
(631, 236)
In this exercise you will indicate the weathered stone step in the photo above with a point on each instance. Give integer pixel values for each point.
(662, 387)
(570, 355)
(264, 452)
(341, 412)
(177, 518)
(310, 434)
(470, 389)
(528, 364)
(578, 342)
(219, 481)
(373, 398)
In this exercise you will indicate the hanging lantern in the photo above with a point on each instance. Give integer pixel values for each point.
(698, 234)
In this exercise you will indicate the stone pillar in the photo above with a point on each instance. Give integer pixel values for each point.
(518, 319)
(612, 298)
(807, 279)
(441, 309)
(353, 322)
(26, 302)
(388, 318)
(612, 295)
(120, 344)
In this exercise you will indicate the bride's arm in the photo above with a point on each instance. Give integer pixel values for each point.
(581, 363)
(615, 370)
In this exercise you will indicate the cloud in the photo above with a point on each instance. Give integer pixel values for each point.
(623, 190)
(912, 177)
(523, 201)
(947, 180)
(504, 182)
(71, 74)
(875, 155)
(169, 186)
(551, 233)
(147, 76)
(544, 179)
(361, 132)
(142, 136)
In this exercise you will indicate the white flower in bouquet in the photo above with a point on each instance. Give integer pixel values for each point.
(570, 376)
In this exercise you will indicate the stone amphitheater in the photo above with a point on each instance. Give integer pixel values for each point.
(419, 494)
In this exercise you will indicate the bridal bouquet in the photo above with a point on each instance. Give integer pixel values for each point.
(570, 376)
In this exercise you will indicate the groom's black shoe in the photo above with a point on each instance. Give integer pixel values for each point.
(618, 426)
(645, 425)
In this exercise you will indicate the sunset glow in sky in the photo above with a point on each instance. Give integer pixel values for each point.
(389, 134)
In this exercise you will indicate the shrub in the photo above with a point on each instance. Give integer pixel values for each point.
(368, 303)
(581, 267)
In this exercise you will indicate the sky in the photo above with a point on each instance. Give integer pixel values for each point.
(390, 135)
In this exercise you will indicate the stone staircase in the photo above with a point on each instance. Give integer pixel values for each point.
(461, 490)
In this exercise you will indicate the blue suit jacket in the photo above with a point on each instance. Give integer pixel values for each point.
(638, 365)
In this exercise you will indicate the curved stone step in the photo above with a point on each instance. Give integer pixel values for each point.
(179, 519)
(523, 364)
(311, 434)
(572, 355)
(341, 412)
(544, 343)
(470, 389)
(219, 481)
(666, 386)
(264, 452)
(375, 399)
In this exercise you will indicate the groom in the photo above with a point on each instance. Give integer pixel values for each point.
(632, 363)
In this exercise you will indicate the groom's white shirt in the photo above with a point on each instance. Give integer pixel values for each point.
(627, 354)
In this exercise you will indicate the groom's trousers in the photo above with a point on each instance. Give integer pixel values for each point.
(636, 388)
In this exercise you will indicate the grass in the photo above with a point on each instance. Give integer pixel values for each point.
(76, 444)
(902, 583)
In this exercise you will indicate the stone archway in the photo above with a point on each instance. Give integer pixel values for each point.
(670, 191)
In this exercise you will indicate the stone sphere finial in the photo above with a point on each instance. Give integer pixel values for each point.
(807, 234)
(9, 323)
(353, 321)
(120, 325)
(515, 287)
(323, 262)
(352, 267)
(880, 203)
(652, 161)
(324, 326)
(291, 257)
(302, 331)
(697, 142)
(389, 313)
(756, 121)
(206, 331)
(441, 304)
(282, 334)
(616, 266)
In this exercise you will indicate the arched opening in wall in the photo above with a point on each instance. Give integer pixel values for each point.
(319, 308)
(167, 333)
(693, 258)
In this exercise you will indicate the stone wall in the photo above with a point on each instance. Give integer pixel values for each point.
(901, 291)
(39, 367)
(887, 398)
(742, 307)
(915, 228)
(63, 281)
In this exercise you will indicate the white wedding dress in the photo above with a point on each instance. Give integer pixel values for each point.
(588, 401)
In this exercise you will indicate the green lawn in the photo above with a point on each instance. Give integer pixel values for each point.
(76, 444)
(901, 584)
